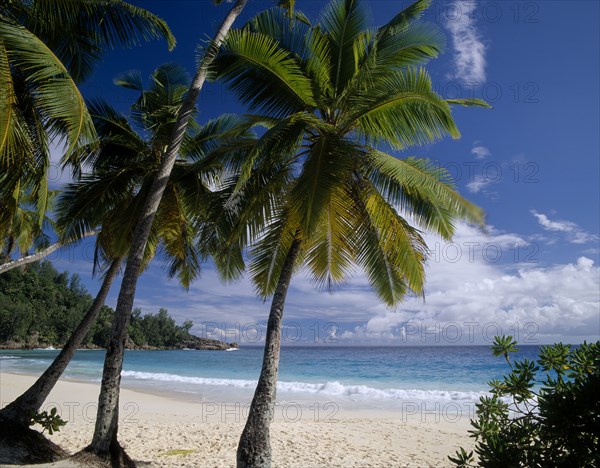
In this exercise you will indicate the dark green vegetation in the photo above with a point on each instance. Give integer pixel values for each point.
(555, 425)
(41, 307)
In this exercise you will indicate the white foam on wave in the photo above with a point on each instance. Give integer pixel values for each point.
(232, 349)
(6, 358)
(329, 388)
(163, 377)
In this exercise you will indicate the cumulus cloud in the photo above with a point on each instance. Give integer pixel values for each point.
(478, 183)
(481, 152)
(485, 285)
(469, 49)
(478, 286)
(574, 233)
(57, 176)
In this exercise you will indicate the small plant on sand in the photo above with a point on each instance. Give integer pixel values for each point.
(178, 452)
(536, 419)
(52, 422)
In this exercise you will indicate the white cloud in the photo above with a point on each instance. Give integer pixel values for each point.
(57, 177)
(469, 50)
(574, 233)
(481, 152)
(477, 286)
(478, 183)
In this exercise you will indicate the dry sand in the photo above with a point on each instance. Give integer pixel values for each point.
(169, 431)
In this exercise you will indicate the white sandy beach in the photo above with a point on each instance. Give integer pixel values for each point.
(170, 431)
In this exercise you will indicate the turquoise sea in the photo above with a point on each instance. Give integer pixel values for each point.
(369, 376)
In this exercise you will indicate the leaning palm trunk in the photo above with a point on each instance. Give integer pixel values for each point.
(20, 410)
(11, 264)
(104, 442)
(254, 449)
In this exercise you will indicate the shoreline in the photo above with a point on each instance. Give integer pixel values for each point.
(157, 428)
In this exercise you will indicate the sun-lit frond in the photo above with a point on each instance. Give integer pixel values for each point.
(56, 95)
(263, 75)
(276, 23)
(387, 282)
(177, 237)
(389, 250)
(343, 21)
(333, 190)
(403, 111)
(422, 189)
(469, 103)
(318, 64)
(327, 166)
(401, 243)
(329, 251)
(269, 254)
(402, 20)
(13, 131)
(80, 31)
(412, 45)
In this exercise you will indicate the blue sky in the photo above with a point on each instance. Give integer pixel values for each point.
(532, 162)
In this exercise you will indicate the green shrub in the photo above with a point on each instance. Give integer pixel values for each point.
(540, 419)
(51, 422)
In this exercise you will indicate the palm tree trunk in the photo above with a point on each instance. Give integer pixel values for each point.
(27, 259)
(105, 433)
(20, 410)
(254, 449)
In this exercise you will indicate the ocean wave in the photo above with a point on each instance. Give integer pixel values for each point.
(232, 349)
(329, 388)
(163, 377)
(6, 358)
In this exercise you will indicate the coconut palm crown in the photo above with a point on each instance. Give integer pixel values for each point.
(123, 163)
(336, 98)
(320, 188)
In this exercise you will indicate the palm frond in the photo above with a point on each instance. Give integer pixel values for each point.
(469, 103)
(423, 190)
(269, 254)
(80, 31)
(14, 138)
(401, 21)
(327, 167)
(329, 251)
(403, 111)
(130, 80)
(263, 75)
(401, 245)
(343, 21)
(176, 234)
(277, 24)
(57, 97)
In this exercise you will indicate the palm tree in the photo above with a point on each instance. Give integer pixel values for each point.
(107, 199)
(46, 47)
(166, 146)
(321, 189)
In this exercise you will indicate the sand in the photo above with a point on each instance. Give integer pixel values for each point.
(175, 430)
